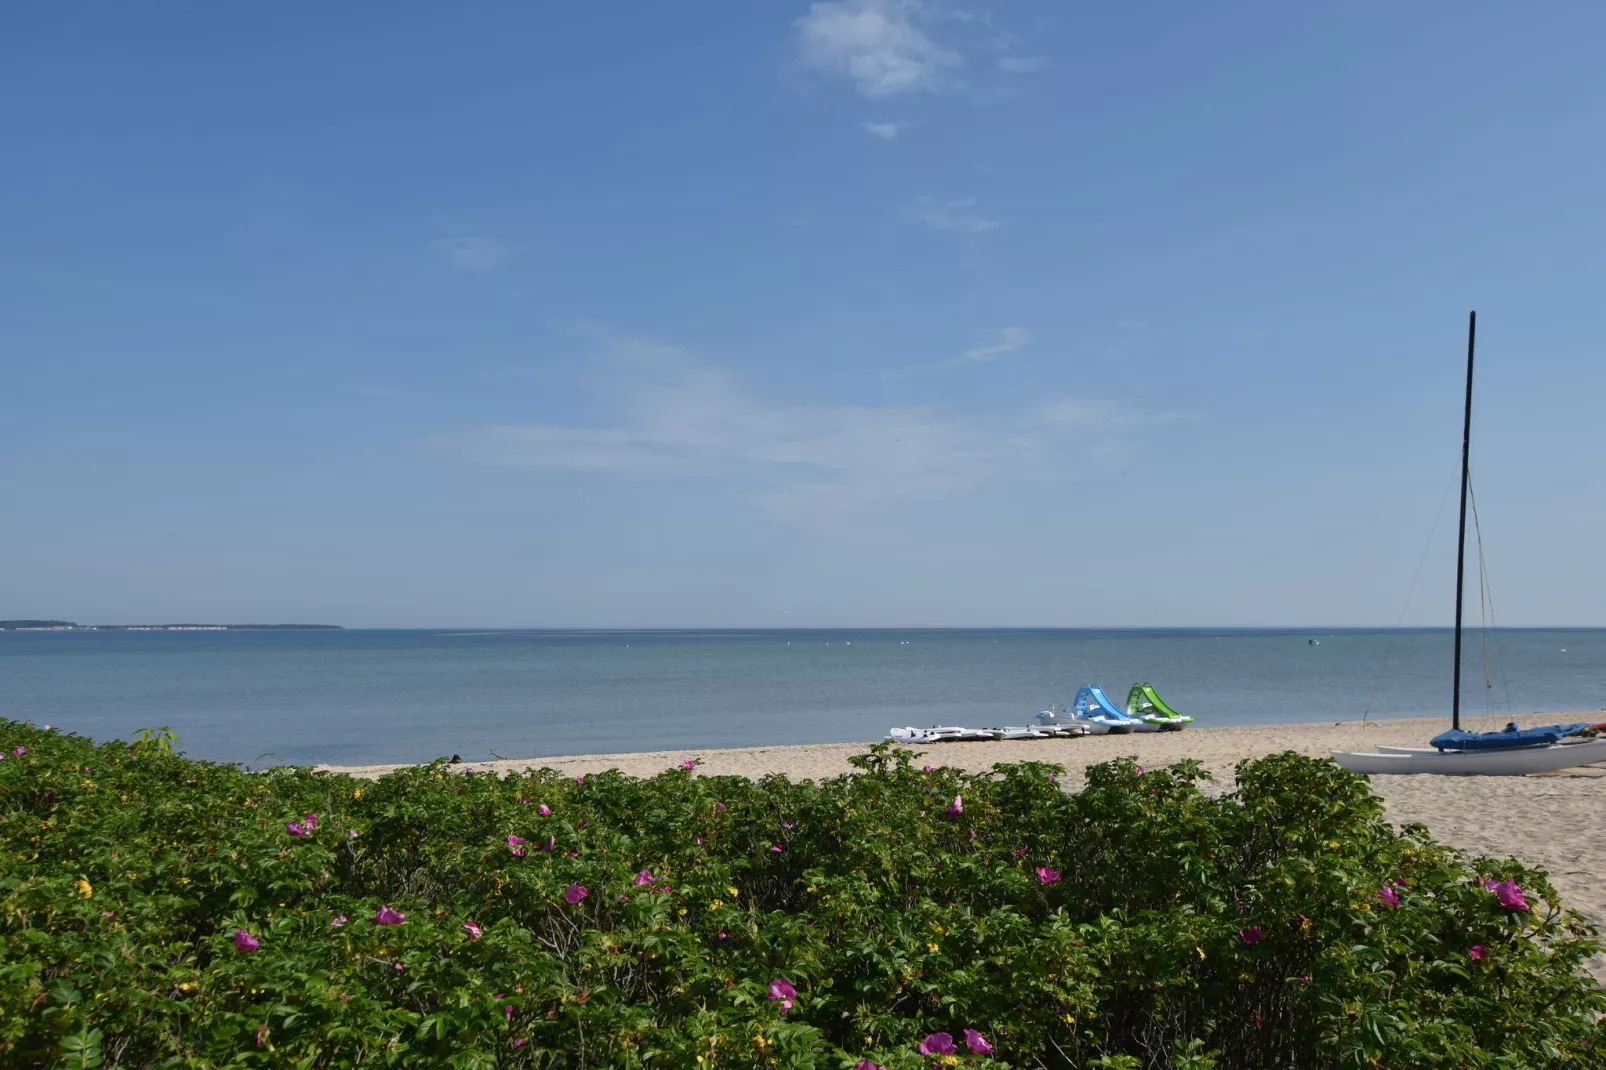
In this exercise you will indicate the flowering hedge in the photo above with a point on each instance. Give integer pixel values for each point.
(160, 912)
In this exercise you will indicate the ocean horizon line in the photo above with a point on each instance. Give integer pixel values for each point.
(1167, 629)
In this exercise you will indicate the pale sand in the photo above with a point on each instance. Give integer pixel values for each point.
(1553, 820)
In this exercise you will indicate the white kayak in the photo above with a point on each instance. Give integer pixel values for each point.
(1008, 732)
(1084, 726)
(942, 734)
(1513, 761)
(1066, 731)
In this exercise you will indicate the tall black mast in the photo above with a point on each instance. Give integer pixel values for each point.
(1461, 537)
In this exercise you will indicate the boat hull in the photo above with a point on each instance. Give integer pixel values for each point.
(1082, 726)
(1515, 762)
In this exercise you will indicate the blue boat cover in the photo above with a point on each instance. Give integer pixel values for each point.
(1507, 738)
(1092, 701)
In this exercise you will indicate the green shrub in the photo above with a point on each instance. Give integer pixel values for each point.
(1138, 923)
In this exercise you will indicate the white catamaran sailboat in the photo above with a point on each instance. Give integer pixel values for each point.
(1510, 752)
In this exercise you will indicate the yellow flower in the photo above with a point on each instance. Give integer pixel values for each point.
(931, 948)
(733, 891)
(716, 904)
(1071, 1019)
(84, 890)
(1364, 907)
(683, 912)
(187, 986)
(1201, 953)
(356, 793)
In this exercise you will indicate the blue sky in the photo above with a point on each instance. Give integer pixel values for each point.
(856, 312)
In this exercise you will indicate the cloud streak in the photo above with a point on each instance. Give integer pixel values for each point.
(823, 467)
(472, 253)
(957, 215)
(885, 131)
(1009, 339)
(1019, 64)
(882, 46)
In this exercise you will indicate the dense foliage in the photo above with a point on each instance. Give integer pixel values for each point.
(160, 912)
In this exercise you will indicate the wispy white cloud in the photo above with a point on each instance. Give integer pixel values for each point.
(1020, 64)
(883, 46)
(376, 393)
(1078, 415)
(1009, 339)
(1077, 412)
(959, 215)
(472, 253)
(828, 467)
(1008, 58)
(575, 449)
(885, 131)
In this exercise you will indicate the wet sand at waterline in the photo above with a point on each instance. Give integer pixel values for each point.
(1554, 820)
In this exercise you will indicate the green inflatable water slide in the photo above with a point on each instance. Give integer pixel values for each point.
(1145, 702)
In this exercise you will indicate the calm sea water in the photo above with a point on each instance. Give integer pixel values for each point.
(355, 697)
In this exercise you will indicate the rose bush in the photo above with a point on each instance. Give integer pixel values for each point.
(159, 912)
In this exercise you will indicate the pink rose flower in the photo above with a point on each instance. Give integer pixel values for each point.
(1508, 894)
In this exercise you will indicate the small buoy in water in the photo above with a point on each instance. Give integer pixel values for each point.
(1314, 642)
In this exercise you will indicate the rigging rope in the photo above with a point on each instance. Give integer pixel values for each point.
(1487, 613)
(1394, 636)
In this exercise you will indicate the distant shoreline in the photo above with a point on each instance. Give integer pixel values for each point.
(74, 626)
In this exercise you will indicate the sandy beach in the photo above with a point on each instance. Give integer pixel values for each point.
(1555, 820)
